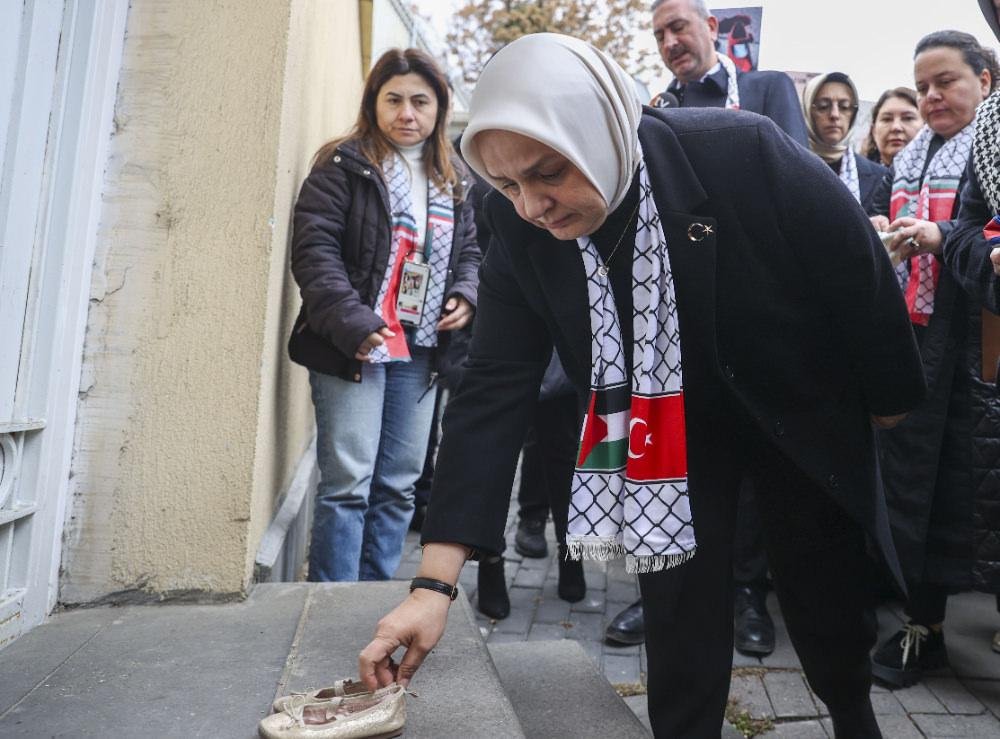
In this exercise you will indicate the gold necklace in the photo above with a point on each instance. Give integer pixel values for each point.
(602, 270)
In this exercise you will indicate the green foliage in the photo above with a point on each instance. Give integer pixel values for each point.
(744, 722)
(480, 28)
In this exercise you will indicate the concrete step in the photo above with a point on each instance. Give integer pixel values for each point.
(213, 670)
(558, 693)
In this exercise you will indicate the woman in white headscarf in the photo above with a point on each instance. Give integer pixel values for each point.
(679, 262)
(830, 106)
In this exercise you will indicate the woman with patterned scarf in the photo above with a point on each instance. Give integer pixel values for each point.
(830, 106)
(972, 253)
(680, 262)
(932, 464)
(384, 253)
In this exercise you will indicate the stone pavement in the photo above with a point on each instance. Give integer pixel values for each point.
(769, 697)
(190, 670)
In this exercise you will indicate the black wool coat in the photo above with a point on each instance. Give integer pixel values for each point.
(340, 251)
(789, 307)
(967, 256)
(939, 464)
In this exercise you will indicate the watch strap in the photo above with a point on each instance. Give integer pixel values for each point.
(438, 586)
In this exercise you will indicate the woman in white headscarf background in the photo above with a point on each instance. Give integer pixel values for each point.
(679, 261)
(830, 106)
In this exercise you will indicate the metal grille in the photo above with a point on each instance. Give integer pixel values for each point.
(15, 524)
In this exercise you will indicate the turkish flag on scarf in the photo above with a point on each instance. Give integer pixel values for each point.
(657, 447)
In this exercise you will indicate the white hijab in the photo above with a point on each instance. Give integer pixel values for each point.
(567, 95)
(830, 153)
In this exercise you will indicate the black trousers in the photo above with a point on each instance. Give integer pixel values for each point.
(749, 557)
(818, 562)
(547, 462)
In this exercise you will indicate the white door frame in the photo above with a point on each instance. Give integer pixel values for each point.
(80, 128)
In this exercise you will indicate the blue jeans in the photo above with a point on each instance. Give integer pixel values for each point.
(371, 438)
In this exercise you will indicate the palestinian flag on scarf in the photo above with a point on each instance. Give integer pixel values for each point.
(992, 231)
(604, 443)
(642, 434)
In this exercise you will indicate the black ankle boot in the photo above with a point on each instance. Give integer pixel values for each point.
(493, 600)
(753, 629)
(572, 586)
(529, 541)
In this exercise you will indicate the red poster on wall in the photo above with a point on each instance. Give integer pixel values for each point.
(739, 35)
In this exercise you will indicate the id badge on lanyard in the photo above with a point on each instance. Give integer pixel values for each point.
(412, 290)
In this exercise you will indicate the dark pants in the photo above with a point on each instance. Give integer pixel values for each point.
(547, 462)
(818, 562)
(749, 558)
(927, 603)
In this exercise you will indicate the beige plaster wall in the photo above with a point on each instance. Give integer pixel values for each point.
(190, 421)
(322, 93)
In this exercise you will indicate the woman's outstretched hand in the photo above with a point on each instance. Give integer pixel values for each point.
(417, 624)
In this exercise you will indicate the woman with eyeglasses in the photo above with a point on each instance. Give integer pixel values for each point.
(937, 462)
(830, 104)
(895, 121)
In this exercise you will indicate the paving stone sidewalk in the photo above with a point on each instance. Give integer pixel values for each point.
(769, 697)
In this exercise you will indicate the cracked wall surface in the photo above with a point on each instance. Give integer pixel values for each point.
(191, 420)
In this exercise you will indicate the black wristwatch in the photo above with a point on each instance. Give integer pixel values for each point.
(438, 586)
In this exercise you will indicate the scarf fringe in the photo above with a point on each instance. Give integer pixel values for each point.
(599, 549)
(636, 565)
(594, 548)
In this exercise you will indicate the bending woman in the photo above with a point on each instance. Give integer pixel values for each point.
(620, 237)
(384, 252)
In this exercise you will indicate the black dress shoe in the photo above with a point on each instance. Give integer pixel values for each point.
(491, 585)
(753, 629)
(627, 627)
(529, 541)
(572, 585)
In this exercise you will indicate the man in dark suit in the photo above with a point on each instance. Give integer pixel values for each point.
(686, 35)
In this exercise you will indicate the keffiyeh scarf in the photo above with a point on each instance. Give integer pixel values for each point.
(733, 91)
(986, 150)
(929, 199)
(404, 247)
(630, 492)
(849, 174)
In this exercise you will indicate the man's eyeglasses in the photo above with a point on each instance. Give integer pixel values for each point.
(825, 106)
